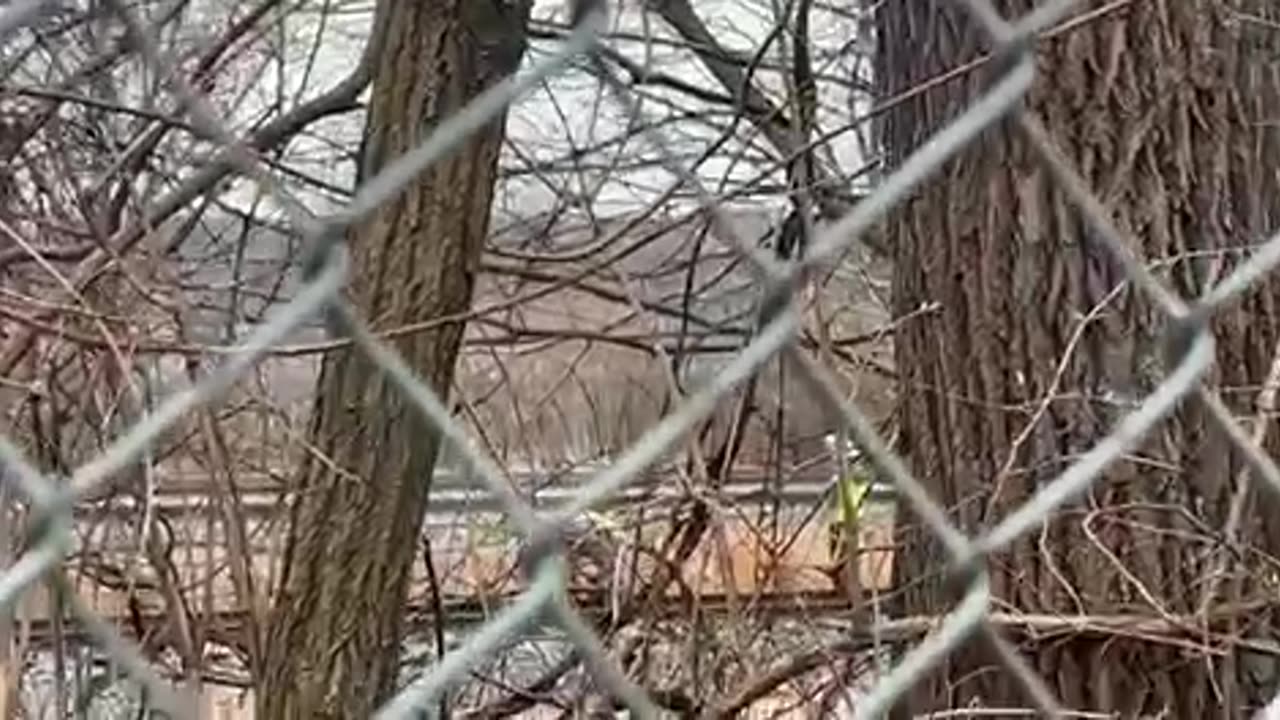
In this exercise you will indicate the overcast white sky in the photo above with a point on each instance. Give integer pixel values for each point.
(569, 111)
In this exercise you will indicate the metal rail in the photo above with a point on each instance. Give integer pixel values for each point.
(546, 598)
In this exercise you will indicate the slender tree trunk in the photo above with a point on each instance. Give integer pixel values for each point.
(1168, 109)
(334, 639)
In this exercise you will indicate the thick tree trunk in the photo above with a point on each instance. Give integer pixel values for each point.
(333, 644)
(1168, 109)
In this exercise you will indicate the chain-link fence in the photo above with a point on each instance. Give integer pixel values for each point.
(1190, 352)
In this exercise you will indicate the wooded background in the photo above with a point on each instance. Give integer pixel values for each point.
(1026, 250)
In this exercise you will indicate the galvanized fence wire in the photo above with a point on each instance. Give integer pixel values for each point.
(1189, 356)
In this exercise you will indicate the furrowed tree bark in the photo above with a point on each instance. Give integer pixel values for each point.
(1168, 110)
(333, 643)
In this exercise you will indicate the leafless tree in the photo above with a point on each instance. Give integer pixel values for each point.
(1042, 343)
(135, 254)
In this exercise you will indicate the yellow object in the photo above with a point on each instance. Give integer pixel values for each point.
(851, 493)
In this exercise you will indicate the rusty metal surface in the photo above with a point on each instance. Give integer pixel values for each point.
(547, 594)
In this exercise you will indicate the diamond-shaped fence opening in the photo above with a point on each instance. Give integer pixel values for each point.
(544, 600)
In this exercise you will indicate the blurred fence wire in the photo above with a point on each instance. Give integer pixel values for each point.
(1190, 353)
